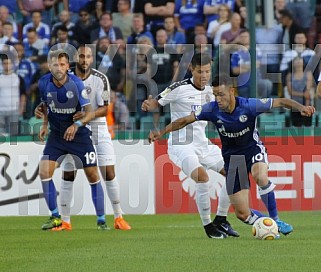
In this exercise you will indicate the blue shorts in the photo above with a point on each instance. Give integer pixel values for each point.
(238, 167)
(82, 151)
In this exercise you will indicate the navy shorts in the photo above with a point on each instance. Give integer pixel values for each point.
(238, 167)
(81, 150)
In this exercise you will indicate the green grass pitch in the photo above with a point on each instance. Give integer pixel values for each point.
(157, 243)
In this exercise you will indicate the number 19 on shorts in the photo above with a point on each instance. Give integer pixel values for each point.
(90, 157)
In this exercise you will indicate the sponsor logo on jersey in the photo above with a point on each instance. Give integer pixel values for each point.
(70, 94)
(165, 92)
(264, 100)
(243, 118)
(49, 95)
(233, 134)
(53, 109)
(196, 109)
(84, 94)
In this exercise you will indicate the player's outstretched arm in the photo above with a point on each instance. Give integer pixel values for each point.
(291, 104)
(176, 125)
(150, 104)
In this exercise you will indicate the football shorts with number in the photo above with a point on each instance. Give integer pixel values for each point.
(104, 149)
(238, 167)
(82, 150)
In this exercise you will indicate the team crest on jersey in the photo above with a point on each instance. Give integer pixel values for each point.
(207, 98)
(243, 118)
(165, 92)
(49, 95)
(105, 96)
(69, 94)
(84, 93)
(264, 100)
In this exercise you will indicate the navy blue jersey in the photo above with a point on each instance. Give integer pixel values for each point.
(63, 102)
(237, 130)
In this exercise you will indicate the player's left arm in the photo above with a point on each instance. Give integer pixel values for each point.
(176, 125)
(291, 104)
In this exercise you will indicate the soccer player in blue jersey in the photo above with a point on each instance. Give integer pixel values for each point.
(243, 151)
(62, 95)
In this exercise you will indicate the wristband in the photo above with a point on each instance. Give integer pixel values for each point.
(78, 123)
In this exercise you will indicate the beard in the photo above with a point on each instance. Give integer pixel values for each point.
(82, 69)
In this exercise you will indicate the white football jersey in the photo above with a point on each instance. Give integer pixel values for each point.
(185, 98)
(98, 89)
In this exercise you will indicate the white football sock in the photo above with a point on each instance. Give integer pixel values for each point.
(203, 202)
(112, 187)
(66, 195)
(223, 202)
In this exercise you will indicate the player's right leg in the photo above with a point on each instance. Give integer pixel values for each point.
(46, 170)
(187, 160)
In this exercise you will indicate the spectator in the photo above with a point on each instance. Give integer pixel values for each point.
(278, 6)
(74, 7)
(243, 14)
(63, 42)
(299, 83)
(123, 18)
(64, 19)
(241, 66)
(289, 28)
(24, 67)
(220, 25)
(12, 97)
(301, 12)
(83, 27)
(188, 14)
(33, 92)
(105, 29)
(139, 29)
(299, 48)
(42, 29)
(156, 11)
(201, 45)
(117, 115)
(8, 37)
(5, 17)
(34, 46)
(211, 8)
(231, 35)
(113, 67)
(174, 37)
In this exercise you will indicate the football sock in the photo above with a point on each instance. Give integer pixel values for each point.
(66, 194)
(223, 202)
(253, 217)
(50, 195)
(112, 187)
(203, 202)
(97, 194)
(268, 197)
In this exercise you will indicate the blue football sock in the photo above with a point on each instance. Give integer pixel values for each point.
(97, 194)
(50, 194)
(268, 198)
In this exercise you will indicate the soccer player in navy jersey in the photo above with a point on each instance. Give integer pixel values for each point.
(62, 95)
(243, 151)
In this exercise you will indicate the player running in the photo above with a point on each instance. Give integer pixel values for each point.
(235, 121)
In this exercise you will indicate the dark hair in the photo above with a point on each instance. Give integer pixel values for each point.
(32, 29)
(42, 59)
(62, 28)
(201, 59)
(286, 13)
(58, 54)
(222, 79)
(6, 56)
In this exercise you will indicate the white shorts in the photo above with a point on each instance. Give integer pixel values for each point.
(104, 149)
(190, 157)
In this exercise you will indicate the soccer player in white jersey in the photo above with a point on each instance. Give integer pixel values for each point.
(98, 89)
(190, 149)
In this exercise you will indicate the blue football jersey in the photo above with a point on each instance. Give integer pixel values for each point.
(63, 102)
(237, 130)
